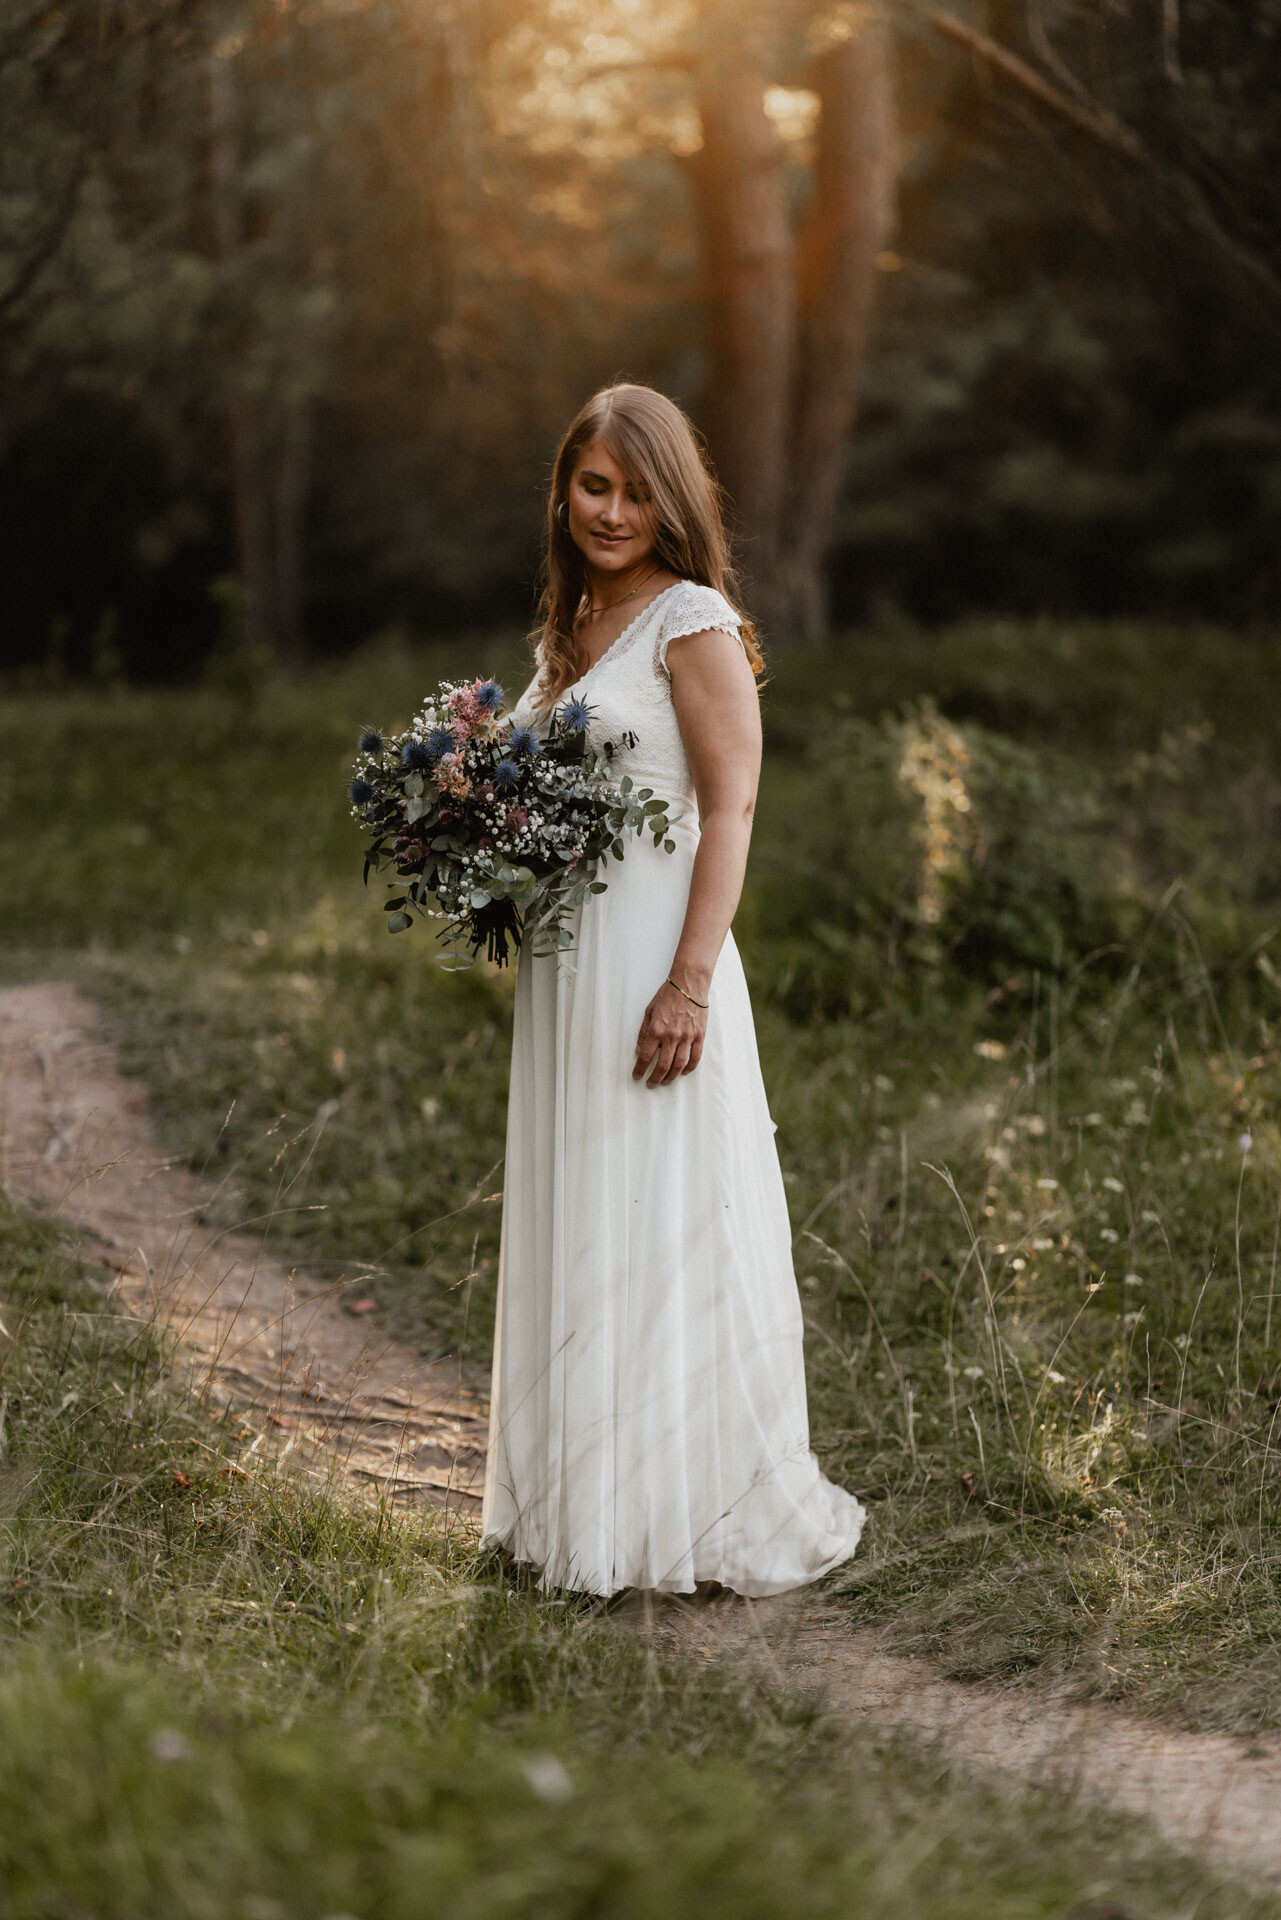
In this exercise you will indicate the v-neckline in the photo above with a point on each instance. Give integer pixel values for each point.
(631, 626)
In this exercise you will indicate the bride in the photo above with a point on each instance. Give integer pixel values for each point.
(648, 1423)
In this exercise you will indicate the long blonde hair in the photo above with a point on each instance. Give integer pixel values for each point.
(657, 448)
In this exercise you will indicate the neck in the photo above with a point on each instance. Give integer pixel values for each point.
(607, 585)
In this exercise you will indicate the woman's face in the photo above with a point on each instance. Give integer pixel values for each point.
(612, 527)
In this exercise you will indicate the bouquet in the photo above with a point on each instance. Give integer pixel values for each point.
(497, 829)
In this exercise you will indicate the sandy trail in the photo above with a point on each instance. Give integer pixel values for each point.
(74, 1138)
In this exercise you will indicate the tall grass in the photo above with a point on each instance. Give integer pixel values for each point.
(1014, 1049)
(227, 1691)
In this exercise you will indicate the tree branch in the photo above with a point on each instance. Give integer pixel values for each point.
(46, 247)
(1104, 126)
(1088, 116)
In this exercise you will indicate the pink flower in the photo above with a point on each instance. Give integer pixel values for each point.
(451, 778)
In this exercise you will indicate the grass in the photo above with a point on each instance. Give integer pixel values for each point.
(1038, 1261)
(227, 1691)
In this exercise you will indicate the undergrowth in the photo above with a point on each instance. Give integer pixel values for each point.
(1012, 962)
(227, 1691)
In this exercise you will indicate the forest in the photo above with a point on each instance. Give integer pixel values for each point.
(978, 308)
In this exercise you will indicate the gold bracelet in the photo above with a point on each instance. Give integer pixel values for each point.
(704, 1004)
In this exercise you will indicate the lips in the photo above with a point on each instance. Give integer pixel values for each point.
(611, 539)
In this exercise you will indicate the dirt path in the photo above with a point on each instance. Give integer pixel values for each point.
(74, 1139)
(1213, 1794)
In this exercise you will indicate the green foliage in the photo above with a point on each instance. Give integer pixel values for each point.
(230, 1692)
(922, 845)
(327, 284)
(1114, 1524)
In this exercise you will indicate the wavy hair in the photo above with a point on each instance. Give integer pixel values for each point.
(658, 449)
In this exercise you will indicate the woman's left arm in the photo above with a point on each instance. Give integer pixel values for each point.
(718, 711)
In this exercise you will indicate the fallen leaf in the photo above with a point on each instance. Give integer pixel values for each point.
(968, 1482)
(181, 1479)
(361, 1306)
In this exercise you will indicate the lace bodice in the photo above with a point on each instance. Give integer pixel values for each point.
(629, 690)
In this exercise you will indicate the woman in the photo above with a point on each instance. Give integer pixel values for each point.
(648, 1424)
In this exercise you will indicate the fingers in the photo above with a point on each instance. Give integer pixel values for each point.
(667, 1047)
(672, 1056)
(645, 1045)
(695, 1055)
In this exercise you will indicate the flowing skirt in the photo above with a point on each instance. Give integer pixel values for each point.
(648, 1423)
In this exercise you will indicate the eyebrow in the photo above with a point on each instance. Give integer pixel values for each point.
(589, 473)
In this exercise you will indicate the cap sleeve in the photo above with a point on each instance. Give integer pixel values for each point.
(695, 609)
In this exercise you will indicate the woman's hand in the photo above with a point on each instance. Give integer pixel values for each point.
(671, 1037)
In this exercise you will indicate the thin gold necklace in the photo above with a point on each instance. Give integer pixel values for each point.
(610, 604)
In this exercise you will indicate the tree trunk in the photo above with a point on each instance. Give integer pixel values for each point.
(742, 190)
(851, 219)
(292, 477)
(250, 493)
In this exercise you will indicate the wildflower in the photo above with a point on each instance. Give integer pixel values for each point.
(574, 716)
(1245, 1141)
(439, 742)
(506, 774)
(489, 696)
(361, 793)
(547, 1778)
(524, 741)
(371, 741)
(416, 755)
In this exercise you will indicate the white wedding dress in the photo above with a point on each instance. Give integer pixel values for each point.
(648, 1423)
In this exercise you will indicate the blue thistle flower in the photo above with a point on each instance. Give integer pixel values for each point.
(440, 740)
(506, 774)
(371, 741)
(361, 793)
(489, 696)
(416, 755)
(524, 741)
(574, 715)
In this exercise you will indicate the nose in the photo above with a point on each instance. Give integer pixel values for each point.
(611, 510)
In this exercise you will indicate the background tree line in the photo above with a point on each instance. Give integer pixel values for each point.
(296, 294)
